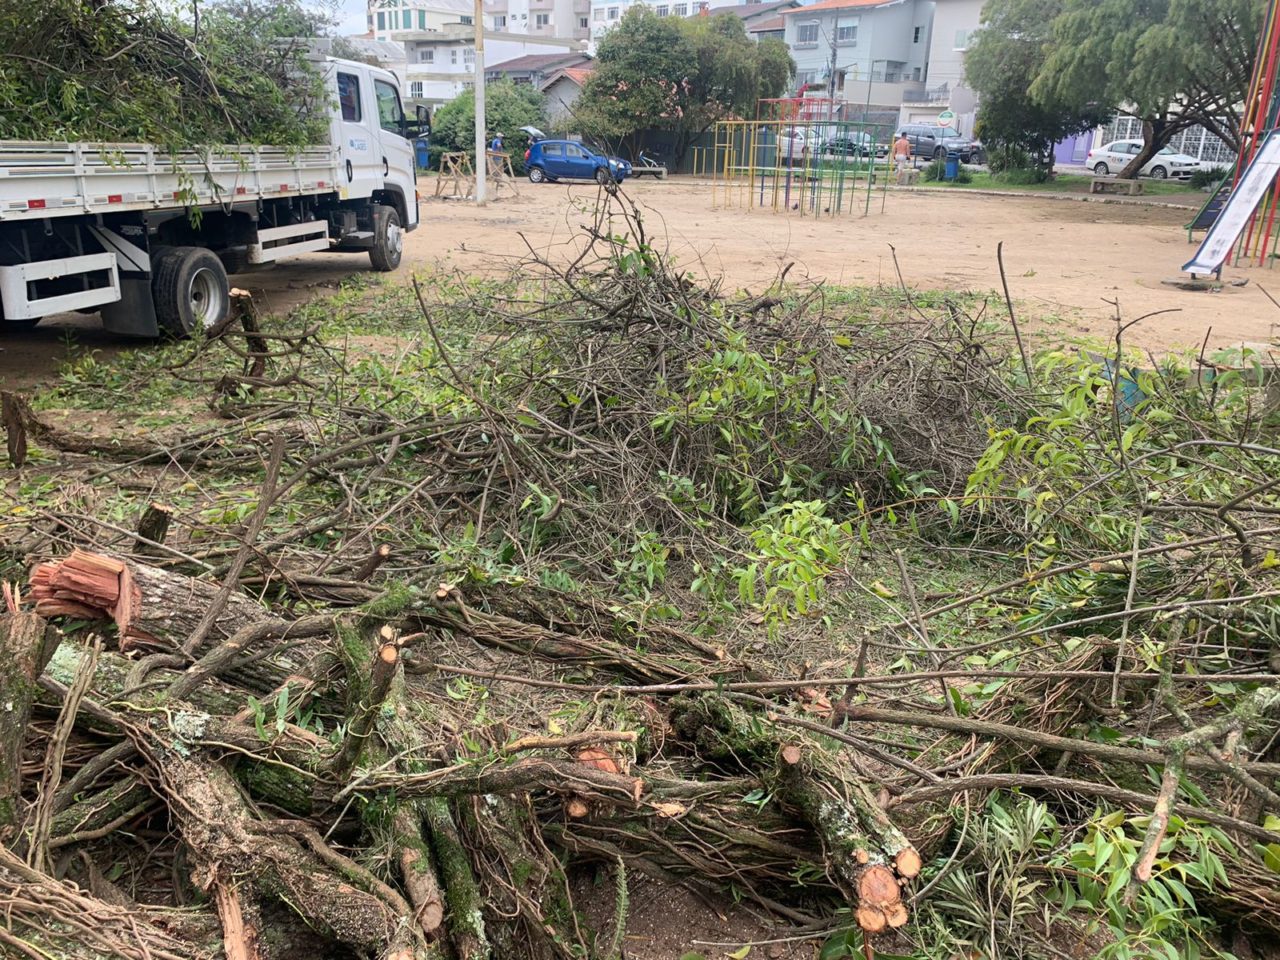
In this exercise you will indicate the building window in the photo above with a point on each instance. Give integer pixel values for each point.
(499, 21)
(663, 10)
(406, 19)
(915, 36)
(963, 39)
(467, 20)
(426, 56)
(597, 13)
(541, 19)
(469, 56)
(613, 13)
(382, 20)
(807, 33)
(453, 56)
(847, 34)
(415, 89)
(583, 23)
(915, 74)
(805, 76)
(371, 21)
(422, 19)
(680, 9)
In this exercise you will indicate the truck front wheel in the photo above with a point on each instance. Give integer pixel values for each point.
(190, 289)
(388, 240)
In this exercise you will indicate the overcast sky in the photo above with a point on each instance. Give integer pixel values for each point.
(353, 16)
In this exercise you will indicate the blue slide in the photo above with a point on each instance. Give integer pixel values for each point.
(1258, 177)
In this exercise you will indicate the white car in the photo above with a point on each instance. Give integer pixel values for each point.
(1115, 156)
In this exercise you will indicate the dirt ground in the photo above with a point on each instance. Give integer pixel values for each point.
(1064, 260)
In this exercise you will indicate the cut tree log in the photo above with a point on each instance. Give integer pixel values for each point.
(153, 526)
(26, 644)
(867, 855)
(153, 608)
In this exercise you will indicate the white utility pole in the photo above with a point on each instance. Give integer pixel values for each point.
(482, 153)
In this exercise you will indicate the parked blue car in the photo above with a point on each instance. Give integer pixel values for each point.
(569, 160)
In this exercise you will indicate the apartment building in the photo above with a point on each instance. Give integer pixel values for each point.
(863, 50)
(438, 37)
(955, 23)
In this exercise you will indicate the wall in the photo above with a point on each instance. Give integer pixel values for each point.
(561, 96)
(885, 45)
(453, 67)
(951, 18)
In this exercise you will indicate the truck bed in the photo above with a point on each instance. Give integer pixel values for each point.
(65, 179)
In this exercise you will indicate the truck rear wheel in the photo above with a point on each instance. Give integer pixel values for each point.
(388, 240)
(190, 289)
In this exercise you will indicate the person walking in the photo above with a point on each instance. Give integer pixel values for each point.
(901, 155)
(496, 145)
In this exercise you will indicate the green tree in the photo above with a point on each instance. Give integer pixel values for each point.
(1005, 59)
(507, 107)
(1175, 64)
(681, 75)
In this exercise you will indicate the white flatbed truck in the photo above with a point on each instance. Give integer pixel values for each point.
(147, 238)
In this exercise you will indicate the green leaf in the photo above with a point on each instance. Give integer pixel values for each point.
(740, 953)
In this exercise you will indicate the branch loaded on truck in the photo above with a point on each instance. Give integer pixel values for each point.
(148, 237)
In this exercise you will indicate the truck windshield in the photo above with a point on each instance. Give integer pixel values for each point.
(390, 116)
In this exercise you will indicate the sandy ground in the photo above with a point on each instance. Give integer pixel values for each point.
(1064, 259)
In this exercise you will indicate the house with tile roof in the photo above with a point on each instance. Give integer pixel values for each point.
(562, 90)
(534, 68)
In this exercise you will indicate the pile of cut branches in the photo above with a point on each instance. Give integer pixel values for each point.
(131, 71)
(810, 599)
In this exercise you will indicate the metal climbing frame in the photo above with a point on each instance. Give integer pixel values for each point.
(800, 165)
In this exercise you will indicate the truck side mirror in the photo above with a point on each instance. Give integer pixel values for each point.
(424, 120)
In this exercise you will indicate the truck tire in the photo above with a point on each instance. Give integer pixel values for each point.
(190, 289)
(388, 240)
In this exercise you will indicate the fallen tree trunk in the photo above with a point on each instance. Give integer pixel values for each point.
(26, 644)
(153, 608)
(869, 858)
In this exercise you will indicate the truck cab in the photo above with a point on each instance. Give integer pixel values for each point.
(148, 237)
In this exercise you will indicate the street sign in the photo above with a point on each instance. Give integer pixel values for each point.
(946, 117)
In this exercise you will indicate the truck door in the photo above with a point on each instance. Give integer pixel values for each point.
(360, 152)
(396, 159)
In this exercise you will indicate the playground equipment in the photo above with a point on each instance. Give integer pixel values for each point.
(1242, 218)
(798, 156)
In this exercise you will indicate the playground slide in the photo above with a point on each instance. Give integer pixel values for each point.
(1244, 199)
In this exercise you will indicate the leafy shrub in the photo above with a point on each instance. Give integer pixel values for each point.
(1008, 157)
(508, 107)
(935, 171)
(1023, 177)
(1207, 177)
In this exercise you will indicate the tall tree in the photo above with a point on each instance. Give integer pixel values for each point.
(676, 74)
(1175, 64)
(1008, 54)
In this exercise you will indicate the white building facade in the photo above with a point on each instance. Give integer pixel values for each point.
(438, 37)
(955, 24)
(862, 51)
